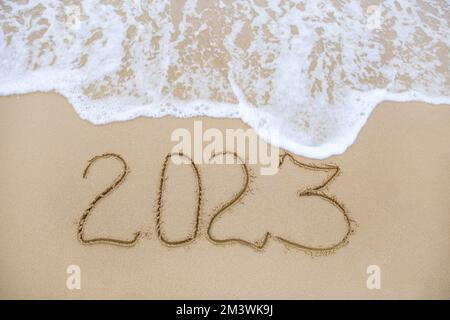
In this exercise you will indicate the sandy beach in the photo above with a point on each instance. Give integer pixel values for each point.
(394, 182)
(93, 204)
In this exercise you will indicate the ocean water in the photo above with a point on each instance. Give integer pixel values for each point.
(311, 71)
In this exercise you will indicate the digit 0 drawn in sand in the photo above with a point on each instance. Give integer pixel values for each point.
(312, 191)
(159, 220)
(119, 179)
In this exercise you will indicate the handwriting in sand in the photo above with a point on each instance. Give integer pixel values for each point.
(317, 191)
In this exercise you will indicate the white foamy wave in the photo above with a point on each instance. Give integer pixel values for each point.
(312, 70)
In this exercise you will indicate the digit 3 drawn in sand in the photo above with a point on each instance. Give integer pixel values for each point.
(312, 191)
(159, 218)
(119, 179)
(317, 191)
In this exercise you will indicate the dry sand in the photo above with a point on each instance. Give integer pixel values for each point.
(395, 183)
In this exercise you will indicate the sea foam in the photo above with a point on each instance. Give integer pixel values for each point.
(310, 70)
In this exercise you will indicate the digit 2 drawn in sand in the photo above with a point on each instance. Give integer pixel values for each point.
(159, 222)
(237, 197)
(117, 181)
(312, 191)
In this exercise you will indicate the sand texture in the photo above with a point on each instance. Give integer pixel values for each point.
(393, 185)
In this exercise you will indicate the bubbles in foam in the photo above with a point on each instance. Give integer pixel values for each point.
(312, 70)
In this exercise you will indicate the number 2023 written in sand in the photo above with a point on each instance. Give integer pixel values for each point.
(316, 191)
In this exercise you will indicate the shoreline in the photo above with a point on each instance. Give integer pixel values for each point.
(333, 148)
